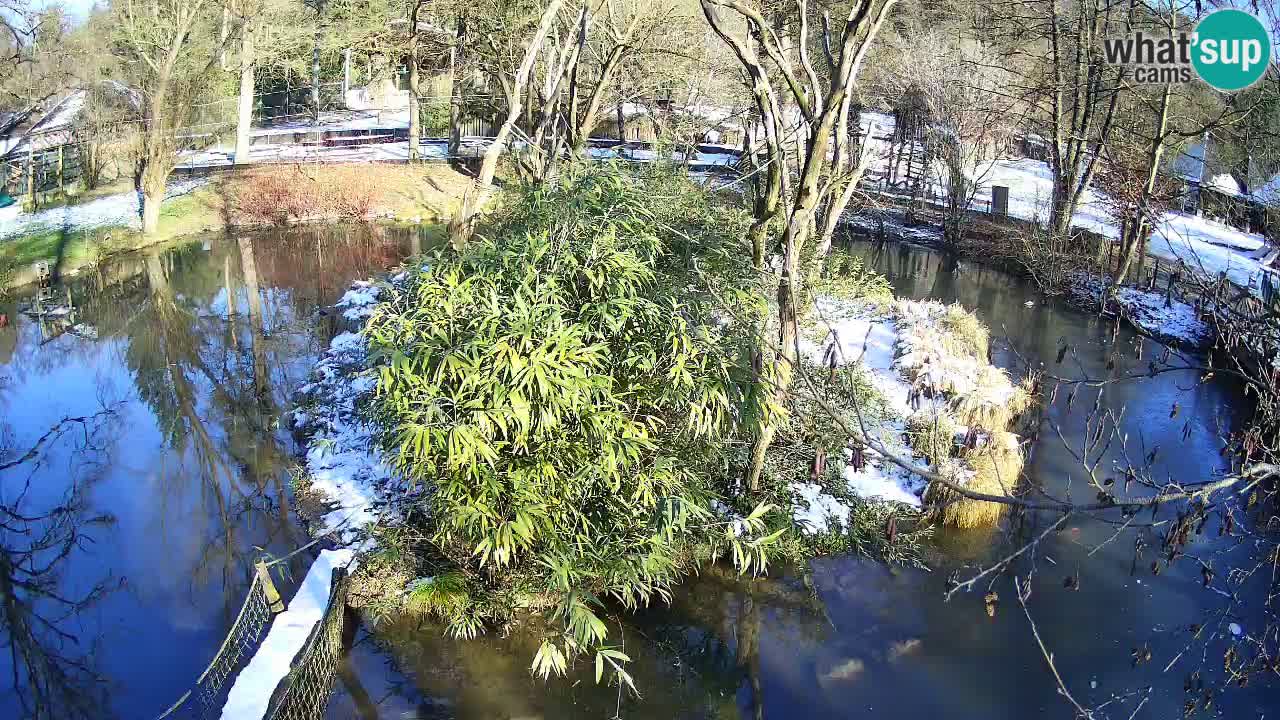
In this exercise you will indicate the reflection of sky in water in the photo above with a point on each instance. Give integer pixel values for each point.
(195, 467)
(869, 641)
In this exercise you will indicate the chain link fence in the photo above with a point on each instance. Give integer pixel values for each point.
(304, 693)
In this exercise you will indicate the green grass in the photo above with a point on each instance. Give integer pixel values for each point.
(185, 215)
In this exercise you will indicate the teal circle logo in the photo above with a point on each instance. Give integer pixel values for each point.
(1232, 50)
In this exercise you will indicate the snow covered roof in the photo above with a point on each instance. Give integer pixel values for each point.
(51, 125)
(1225, 184)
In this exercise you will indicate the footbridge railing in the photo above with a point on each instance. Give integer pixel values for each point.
(303, 693)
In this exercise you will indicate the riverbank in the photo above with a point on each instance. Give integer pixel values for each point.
(77, 236)
(1158, 315)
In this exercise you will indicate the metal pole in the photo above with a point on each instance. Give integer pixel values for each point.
(346, 72)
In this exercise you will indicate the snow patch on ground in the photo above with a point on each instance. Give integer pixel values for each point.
(893, 225)
(122, 209)
(251, 693)
(901, 349)
(344, 463)
(1178, 322)
(1206, 246)
(855, 333)
(358, 302)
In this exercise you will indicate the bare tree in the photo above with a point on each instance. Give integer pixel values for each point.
(1070, 91)
(968, 117)
(514, 87)
(825, 182)
(165, 46)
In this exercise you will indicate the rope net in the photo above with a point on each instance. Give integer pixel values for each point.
(304, 692)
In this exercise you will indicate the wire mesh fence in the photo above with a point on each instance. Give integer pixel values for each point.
(304, 693)
(41, 172)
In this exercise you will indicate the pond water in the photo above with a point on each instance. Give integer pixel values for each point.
(127, 541)
(853, 638)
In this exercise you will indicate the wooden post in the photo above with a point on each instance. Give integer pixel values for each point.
(1168, 293)
(31, 175)
(346, 73)
(61, 158)
(269, 587)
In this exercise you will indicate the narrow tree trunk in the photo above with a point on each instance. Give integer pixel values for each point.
(244, 119)
(455, 89)
(315, 67)
(415, 117)
(1135, 241)
(462, 226)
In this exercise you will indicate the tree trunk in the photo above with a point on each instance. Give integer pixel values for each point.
(152, 197)
(1135, 240)
(415, 117)
(315, 68)
(244, 119)
(462, 226)
(455, 90)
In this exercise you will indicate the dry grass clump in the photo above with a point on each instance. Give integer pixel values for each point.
(285, 194)
(996, 466)
(994, 403)
(944, 351)
(963, 333)
(932, 434)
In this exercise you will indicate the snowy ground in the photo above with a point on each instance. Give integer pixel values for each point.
(344, 464)
(892, 345)
(892, 222)
(348, 474)
(112, 210)
(1177, 323)
(1206, 246)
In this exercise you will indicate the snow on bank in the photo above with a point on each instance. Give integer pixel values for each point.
(909, 361)
(251, 693)
(857, 333)
(1204, 245)
(348, 473)
(1177, 323)
(121, 209)
(344, 464)
(892, 224)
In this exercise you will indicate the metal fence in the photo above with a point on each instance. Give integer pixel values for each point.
(304, 693)
(41, 172)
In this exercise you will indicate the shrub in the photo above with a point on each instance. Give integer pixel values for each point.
(566, 387)
(284, 194)
(845, 276)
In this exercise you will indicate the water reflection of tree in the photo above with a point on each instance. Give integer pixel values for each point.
(213, 405)
(52, 669)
